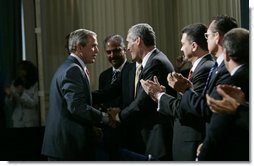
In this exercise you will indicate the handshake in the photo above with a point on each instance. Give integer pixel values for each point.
(111, 118)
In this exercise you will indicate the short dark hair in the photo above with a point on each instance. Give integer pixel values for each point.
(223, 24)
(27, 74)
(117, 38)
(236, 43)
(195, 33)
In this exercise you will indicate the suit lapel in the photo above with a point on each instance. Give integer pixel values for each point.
(200, 64)
(214, 77)
(132, 80)
(86, 79)
(148, 63)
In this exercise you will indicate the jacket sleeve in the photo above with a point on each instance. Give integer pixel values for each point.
(76, 92)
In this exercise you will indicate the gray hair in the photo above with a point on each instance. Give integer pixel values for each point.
(236, 43)
(79, 36)
(145, 32)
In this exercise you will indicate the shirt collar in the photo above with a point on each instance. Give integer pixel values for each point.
(79, 60)
(195, 64)
(220, 59)
(144, 61)
(235, 69)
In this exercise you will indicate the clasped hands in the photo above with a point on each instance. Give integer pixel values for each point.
(113, 116)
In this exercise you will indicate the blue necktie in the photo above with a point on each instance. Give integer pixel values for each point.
(210, 76)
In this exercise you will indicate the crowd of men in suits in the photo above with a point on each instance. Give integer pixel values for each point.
(144, 110)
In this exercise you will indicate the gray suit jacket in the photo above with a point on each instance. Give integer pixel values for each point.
(69, 125)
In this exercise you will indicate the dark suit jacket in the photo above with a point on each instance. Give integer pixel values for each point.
(156, 128)
(69, 125)
(113, 138)
(226, 139)
(105, 80)
(188, 131)
(131, 136)
(194, 103)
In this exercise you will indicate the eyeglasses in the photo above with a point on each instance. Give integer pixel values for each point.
(115, 51)
(207, 34)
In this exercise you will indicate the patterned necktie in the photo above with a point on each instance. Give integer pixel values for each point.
(115, 75)
(210, 76)
(137, 77)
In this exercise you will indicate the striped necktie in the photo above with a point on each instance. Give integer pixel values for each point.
(115, 75)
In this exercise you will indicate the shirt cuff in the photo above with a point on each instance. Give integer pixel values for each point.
(105, 118)
(159, 98)
(117, 118)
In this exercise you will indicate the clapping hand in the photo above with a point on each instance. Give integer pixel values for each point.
(232, 98)
(152, 88)
(178, 82)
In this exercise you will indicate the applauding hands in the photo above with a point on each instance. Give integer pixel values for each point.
(232, 98)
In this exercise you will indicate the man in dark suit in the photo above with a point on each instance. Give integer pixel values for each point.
(233, 102)
(226, 139)
(131, 136)
(116, 54)
(188, 132)
(69, 133)
(193, 103)
(156, 129)
(128, 133)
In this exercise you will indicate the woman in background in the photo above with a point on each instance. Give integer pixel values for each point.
(22, 97)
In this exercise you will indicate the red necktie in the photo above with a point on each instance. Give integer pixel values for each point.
(190, 73)
(87, 73)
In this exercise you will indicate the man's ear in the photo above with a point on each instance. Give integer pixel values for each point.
(218, 38)
(226, 56)
(78, 48)
(194, 46)
(138, 41)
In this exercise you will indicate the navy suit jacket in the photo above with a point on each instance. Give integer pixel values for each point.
(69, 125)
(194, 103)
(188, 131)
(156, 128)
(226, 139)
(105, 79)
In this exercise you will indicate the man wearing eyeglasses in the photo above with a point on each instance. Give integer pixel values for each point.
(195, 104)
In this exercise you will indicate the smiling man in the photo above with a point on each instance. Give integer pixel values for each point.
(69, 133)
